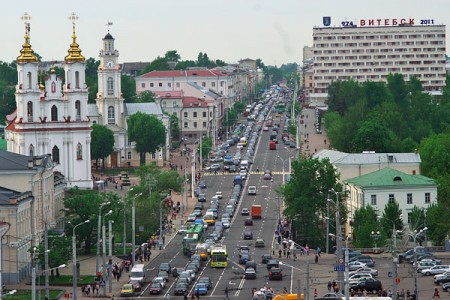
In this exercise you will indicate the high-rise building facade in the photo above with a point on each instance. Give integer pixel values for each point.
(373, 52)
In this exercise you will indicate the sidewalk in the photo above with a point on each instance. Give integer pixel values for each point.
(311, 141)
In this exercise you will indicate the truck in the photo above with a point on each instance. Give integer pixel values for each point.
(272, 145)
(256, 211)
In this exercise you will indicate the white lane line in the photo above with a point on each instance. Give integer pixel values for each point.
(220, 277)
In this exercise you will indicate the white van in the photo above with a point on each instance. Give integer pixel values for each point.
(244, 165)
(138, 273)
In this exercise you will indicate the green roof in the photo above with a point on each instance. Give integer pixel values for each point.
(2, 144)
(390, 177)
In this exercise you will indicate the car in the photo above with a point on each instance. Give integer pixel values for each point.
(243, 174)
(265, 128)
(181, 288)
(164, 275)
(371, 271)
(438, 269)
(191, 218)
(197, 191)
(206, 280)
(244, 258)
(197, 212)
(201, 289)
(127, 290)
(265, 258)
(368, 284)
(251, 264)
(212, 168)
(355, 265)
(182, 229)
(201, 197)
(333, 296)
(275, 274)
(219, 195)
(366, 259)
(202, 184)
(243, 250)
(232, 169)
(159, 280)
(446, 287)
(226, 223)
(155, 288)
(250, 273)
(136, 285)
(356, 277)
(177, 271)
(252, 190)
(248, 235)
(248, 222)
(245, 211)
(185, 274)
(442, 278)
(273, 263)
(259, 243)
(165, 267)
(422, 265)
(198, 205)
(267, 175)
(216, 159)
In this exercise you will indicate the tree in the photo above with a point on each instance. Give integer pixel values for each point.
(305, 204)
(418, 218)
(231, 117)
(172, 55)
(92, 78)
(391, 218)
(438, 216)
(174, 126)
(128, 87)
(238, 107)
(145, 97)
(102, 143)
(364, 222)
(148, 132)
(158, 64)
(82, 205)
(60, 247)
(206, 146)
(372, 135)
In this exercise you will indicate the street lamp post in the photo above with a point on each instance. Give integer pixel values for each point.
(74, 259)
(97, 261)
(414, 236)
(104, 247)
(33, 272)
(110, 222)
(133, 231)
(338, 232)
(282, 160)
(160, 225)
(375, 236)
(124, 236)
(347, 273)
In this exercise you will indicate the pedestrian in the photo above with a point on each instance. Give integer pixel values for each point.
(329, 285)
(295, 255)
(288, 256)
(307, 249)
(315, 293)
(285, 291)
(316, 259)
(319, 251)
(436, 293)
(279, 253)
(365, 293)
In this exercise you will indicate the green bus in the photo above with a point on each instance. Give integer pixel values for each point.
(195, 228)
(281, 107)
(190, 241)
(219, 257)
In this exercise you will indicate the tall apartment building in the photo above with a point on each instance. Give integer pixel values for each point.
(371, 53)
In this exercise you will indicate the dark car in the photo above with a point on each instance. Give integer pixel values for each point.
(136, 285)
(177, 271)
(202, 184)
(368, 284)
(192, 266)
(165, 267)
(442, 278)
(155, 288)
(250, 273)
(164, 275)
(248, 235)
(273, 263)
(275, 274)
(198, 205)
(265, 258)
(251, 264)
(197, 191)
(181, 288)
(366, 260)
(244, 258)
(201, 198)
(205, 280)
(248, 222)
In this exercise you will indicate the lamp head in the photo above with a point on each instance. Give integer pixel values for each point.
(87, 221)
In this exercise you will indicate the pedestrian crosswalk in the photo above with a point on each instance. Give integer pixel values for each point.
(206, 173)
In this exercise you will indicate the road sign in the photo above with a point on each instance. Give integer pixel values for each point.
(339, 268)
(397, 280)
(341, 260)
(390, 274)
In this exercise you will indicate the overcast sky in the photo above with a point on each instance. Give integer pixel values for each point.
(275, 31)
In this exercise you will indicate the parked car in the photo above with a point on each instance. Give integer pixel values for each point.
(212, 168)
(366, 260)
(438, 269)
(371, 271)
(368, 284)
(275, 274)
(354, 265)
(201, 198)
(216, 159)
(442, 278)
(202, 184)
(250, 273)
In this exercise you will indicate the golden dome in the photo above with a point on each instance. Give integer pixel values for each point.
(74, 50)
(26, 53)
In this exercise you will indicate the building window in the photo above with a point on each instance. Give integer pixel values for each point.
(427, 197)
(195, 124)
(153, 156)
(31, 150)
(409, 217)
(151, 84)
(185, 124)
(110, 86)
(213, 84)
(222, 83)
(30, 111)
(143, 85)
(185, 114)
(203, 84)
(169, 84)
(391, 198)
(55, 154)
(195, 114)
(373, 199)
(204, 114)
(177, 84)
(78, 110)
(129, 142)
(79, 152)
(54, 113)
(204, 124)
(53, 87)
(77, 79)
(29, 80)
(160, 84)
(409, 199)
(111, 115)
(129, 155)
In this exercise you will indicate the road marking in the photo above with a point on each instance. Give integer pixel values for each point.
(220, 277)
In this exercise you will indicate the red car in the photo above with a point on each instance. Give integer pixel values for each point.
(155, 288)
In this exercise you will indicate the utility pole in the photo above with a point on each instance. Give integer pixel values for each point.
(47, 291)
(104, 254)
(110, 222)
(124, 236)
(299, 290)
(307, 280)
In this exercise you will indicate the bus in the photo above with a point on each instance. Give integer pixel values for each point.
(219, 257)
(190, 241)
(195, 228)
(281, 107)
(202, 250)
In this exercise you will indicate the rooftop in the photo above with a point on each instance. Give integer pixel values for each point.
(390, 177)
(183, 73)
(341, 158)
(150, 108)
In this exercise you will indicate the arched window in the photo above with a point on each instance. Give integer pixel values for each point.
(53, 87)
(29, 80)
(79, 152)
(78, 110)
(54, 113)
(30, 111)
(110, 86)
(55, 154)
(31, 149)
(111, 115)
(77, 79)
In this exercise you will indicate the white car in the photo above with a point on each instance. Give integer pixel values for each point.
(226, 223)
(243, 174)
(354, 265)
(219, 195)
(240, 146)
(252, 190)
(438, 269)
(371, 271)
(357, 277)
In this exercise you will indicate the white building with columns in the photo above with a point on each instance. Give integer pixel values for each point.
(51, 118)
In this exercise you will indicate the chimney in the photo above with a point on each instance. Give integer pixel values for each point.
(30, 164)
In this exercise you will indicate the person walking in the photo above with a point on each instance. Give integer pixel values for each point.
(316, 259)
(436, 293)
(329, 285)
